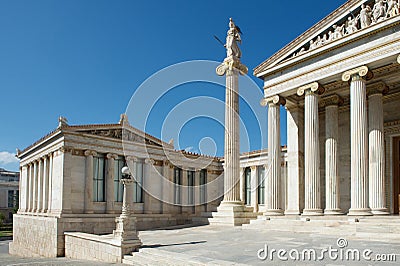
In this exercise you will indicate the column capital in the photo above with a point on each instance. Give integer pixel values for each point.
(313, 87)
(149, 161)
(377, 88)
(398, 59)
(253, 167)
(229, 64)
(358, 72)
(275, 100)
(131, 158)
(90, 153)
(331, 100)
(112, 156)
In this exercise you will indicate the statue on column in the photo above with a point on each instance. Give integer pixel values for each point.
(232, 40)
(365, 16)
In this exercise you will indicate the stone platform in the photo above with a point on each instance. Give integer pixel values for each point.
(233, 215)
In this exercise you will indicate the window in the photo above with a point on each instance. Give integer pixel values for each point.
(98, 178)
(118, 186)
(248, 186)
(261, 185)
(138, 184)
(190, 176)
(177, 186)
(11, 199)
(203, 182)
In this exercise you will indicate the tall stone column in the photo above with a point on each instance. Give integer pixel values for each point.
(295, 158)
(242, 184)
(45, 198)
(359, 141)
(110, 182)
(35, 186)
(30, 188)
(312, 182)
(377, 200)
(88, 204)
(40, 186)
(50, 182)
(273, 182)
(254, 187)
(332, 184)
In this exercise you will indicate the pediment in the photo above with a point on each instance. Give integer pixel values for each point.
(117, 131)
(348, 20)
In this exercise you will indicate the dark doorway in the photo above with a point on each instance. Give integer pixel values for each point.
(396, 174)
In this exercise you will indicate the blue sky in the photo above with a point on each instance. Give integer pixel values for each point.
(85, 59)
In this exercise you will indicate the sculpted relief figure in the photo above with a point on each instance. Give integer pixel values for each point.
(393, 8)
(338, 31)
(232, 40)
(379, 11)
(351, 25)
(365, 16)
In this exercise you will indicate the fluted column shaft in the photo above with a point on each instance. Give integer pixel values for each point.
(242, 184)
(88, 204)
(232, 149)
(110, 183)
(50, 182)
(254, 187)
(273, 184)
(45, 196)
(332, 194)
(359, 150)
(377, 201)
(312, 204)
(35, 187)
(30, 187)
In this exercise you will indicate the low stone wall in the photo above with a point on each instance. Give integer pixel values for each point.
(94, 247)
(34, 235)
(44, 235)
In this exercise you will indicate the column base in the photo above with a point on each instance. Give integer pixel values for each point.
(277, 212)
(232, 213)
(333, 212)
(292, 212)
(312, 212)
(360, 212)
(380, 211)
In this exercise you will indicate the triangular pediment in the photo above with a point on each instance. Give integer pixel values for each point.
(347, 21)
(118, 131)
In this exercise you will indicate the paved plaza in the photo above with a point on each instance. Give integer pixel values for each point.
(215, 245)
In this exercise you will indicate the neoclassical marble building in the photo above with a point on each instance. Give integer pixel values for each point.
(70, 182)
(339, 82)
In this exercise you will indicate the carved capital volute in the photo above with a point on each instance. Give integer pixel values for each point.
(112, 156)
(377, 88)
(314, 87)
(231, 63)
(398, 59)
(131, 158)
(361, 72)
(274, 100)
(331, 100)
(90, 153)
(253, 168)
(149, 161)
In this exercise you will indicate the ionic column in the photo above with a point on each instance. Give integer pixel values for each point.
(88, 204)
(273, 181)
(110, 182)
(312, 201)
(332, 184)
(50, 182)
(359, 141)
(254, 187)
(242, 184)
(29, 195)
(45, 198)
(35, 186)
(40, 186)
(377, 200)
